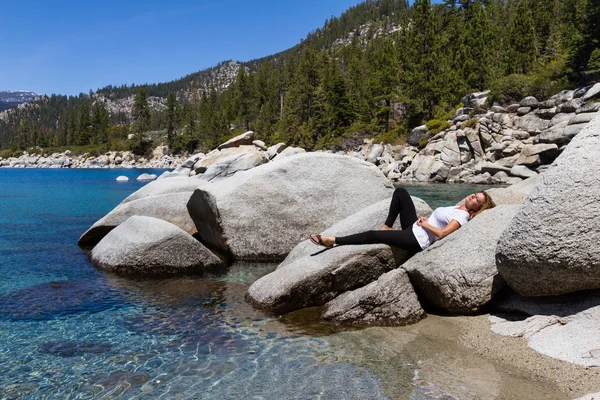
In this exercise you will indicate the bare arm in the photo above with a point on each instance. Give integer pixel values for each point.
(448, 229)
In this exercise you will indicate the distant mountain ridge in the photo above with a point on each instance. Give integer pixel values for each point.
(12, 98)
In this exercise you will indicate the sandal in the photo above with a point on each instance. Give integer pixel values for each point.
(319, 241)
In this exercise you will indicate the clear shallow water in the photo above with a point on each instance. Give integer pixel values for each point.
(68, 331)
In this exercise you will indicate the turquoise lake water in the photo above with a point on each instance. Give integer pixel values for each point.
(68, 331)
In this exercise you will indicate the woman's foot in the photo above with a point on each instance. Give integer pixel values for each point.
(385, 228)
(326, 241)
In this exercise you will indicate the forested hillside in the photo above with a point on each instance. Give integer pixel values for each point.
(348, 79)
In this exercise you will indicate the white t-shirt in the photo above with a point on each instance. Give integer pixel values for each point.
(440, 218)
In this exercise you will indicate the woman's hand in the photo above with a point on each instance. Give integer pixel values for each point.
(422, 220)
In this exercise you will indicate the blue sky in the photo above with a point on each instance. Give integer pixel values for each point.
(70, 47)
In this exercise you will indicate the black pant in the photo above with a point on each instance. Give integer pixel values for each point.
(405, 239)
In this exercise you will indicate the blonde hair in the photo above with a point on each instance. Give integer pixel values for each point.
(487, 204)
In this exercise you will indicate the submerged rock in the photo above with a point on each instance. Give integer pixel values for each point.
(151, 246)
(261, 214)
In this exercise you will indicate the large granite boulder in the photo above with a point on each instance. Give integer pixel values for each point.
(563, 327)
(240, 140)
(458, 273)
(214, 156)
(312, 276)
(228, 166)
(262, 213)
(390, 300)
(168, 207)
(514, 194)
(551, 247)
(160, 187)
(151, 246)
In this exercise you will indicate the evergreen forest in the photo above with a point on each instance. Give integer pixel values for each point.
(378, 70)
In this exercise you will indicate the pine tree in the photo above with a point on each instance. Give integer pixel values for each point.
(85, 124)
(171, 118)
(243, 97)
(141, 112)
(384, 81)
(522, 52)
(100, 122)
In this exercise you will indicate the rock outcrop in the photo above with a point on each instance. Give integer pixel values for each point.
(390, 300)
(551, 247)
(150, 246)
(261, 214)
(458, 273)
(311, 275)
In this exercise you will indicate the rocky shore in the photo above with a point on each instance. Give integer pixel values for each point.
(531, 262)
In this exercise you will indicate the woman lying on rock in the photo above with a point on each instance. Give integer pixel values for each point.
(417, 233)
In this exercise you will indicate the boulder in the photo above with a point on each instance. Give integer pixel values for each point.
(551, 247)
(476, 99)
(421, 167)
(122, 178)
(202, 164)
(529, 101)
(391, 300)
(168, 207)
(272, 151)
(514, 194)
(592, 92)
(563, 327)
(228, 166)
(522, 172)
(458, 273)
(288, 152)
(531, 123)
(536, 154)
(589, 108)
(493, 168)
(582, 118)
(570, 106)
(414, 138)
(189, 163)
(146, 177)
(240, 140)
(151, 246)
(260, 144)
(262, 213)
(376, 151)
(160, 187)
(312, 276)
(523, 110)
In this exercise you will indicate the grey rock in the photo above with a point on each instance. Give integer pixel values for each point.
(146, 177)
(151, 246)
(546, 113)
(260, 144)
(228, 166)
(513, 108)
(563, 96)
(122, 178)
(240, 140)
(376, 151)
(583, 118)
(390, 300)
(514, 180)
(168, 207)
(493, 168)
(288, 152)
(475, 100)
(588, 108)
(560, 118)
(458, 273)
(570, 106)
(498, 109)
(461, 118)
(522, 171)
(189, 163)
(547, 104)
(529, 101)
(201, 166)
(564, 327)
(501, 176)
(531, 123)
(537, 154)
(239, 215)
(592, 92)
(551, 246)
(514, 194)
(481, 179)
(311, 276)
(166, 186)
(272, 151)
(416, 134)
